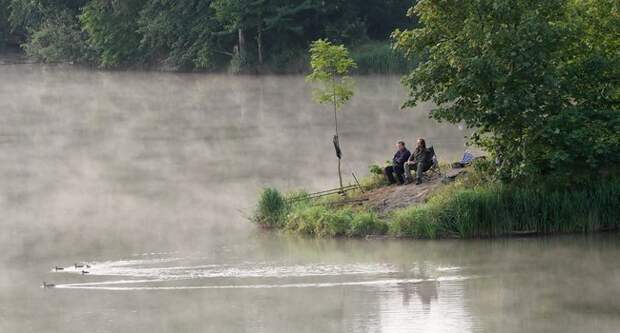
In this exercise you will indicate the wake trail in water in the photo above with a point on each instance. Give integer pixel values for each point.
(105, 285)
(142, 274)
(136, 269)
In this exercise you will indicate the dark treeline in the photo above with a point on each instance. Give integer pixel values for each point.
(238, 35)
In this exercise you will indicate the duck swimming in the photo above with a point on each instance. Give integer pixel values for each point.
(56, 268)
(48, 285)
(84, 272)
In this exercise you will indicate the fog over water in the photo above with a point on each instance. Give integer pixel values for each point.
(147, 179)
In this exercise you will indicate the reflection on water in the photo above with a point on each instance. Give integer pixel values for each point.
(146, 177)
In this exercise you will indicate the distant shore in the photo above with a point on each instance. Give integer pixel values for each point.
(371, 58)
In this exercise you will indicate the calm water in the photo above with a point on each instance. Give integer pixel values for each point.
(147, 177)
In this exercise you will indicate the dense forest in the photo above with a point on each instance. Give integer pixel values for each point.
(234, 35)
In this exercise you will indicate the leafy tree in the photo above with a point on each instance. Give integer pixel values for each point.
(181, 32)
(113, 30)
(330, 68)
(27, 16)
(58, 38)
(239, 16)
(528, 76)
(4, 22)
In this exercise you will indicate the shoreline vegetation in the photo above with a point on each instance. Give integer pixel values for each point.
(474, 205)
(372, 57)
(234, 36)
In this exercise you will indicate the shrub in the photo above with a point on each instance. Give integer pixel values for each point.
(375, 169)
(272, 208)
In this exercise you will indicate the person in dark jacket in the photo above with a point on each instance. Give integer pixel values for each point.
(420, 161)
(397, 168)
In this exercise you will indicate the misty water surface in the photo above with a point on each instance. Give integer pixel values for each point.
(148, 177)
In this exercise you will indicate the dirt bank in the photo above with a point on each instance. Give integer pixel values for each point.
(388, 198)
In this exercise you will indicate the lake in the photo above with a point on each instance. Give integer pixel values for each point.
(148, 178)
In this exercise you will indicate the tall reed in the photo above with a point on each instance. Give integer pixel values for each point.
(496, 210)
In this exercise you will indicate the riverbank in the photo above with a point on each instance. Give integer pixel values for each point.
(470, 206)
(371, 57)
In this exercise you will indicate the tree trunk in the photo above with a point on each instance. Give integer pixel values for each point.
(242, 50)
(259, 41)
(340, 176)
(336, 127)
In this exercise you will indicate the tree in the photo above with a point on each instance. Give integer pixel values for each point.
(28, 18)
(179, 33)
(113, 29)
(239, 16)
(330, 68)
(58, 38)
(528, 76)
(4, 22)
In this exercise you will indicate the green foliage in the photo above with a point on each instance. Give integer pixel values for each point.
(5, 28)
(375, 169)
(179, 33)
(495, 210)
(482, 172)
(415, 223)
(58, 38)
(465, 209)
(271, 209)
(319, 220)
(27, 17)
(537, 81)
(380, 57)
(330, 67)
(366, 223)
(322, 221)
(242, 35)
(112, 28)
(375, 179)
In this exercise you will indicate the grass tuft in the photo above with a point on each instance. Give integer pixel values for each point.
(271, 208)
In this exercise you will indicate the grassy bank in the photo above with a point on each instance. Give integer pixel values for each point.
(378, 57)
(473, 207)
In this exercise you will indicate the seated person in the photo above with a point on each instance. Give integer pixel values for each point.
(397, 169)
(420, 161)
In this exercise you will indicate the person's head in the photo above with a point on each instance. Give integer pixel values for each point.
(421, 143)
(400, 145)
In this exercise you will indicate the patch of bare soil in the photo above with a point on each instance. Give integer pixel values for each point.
(388, 198)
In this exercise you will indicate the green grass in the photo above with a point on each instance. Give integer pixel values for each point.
(476, 206)
(496, 210)
(378, 57)
(271, 209)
